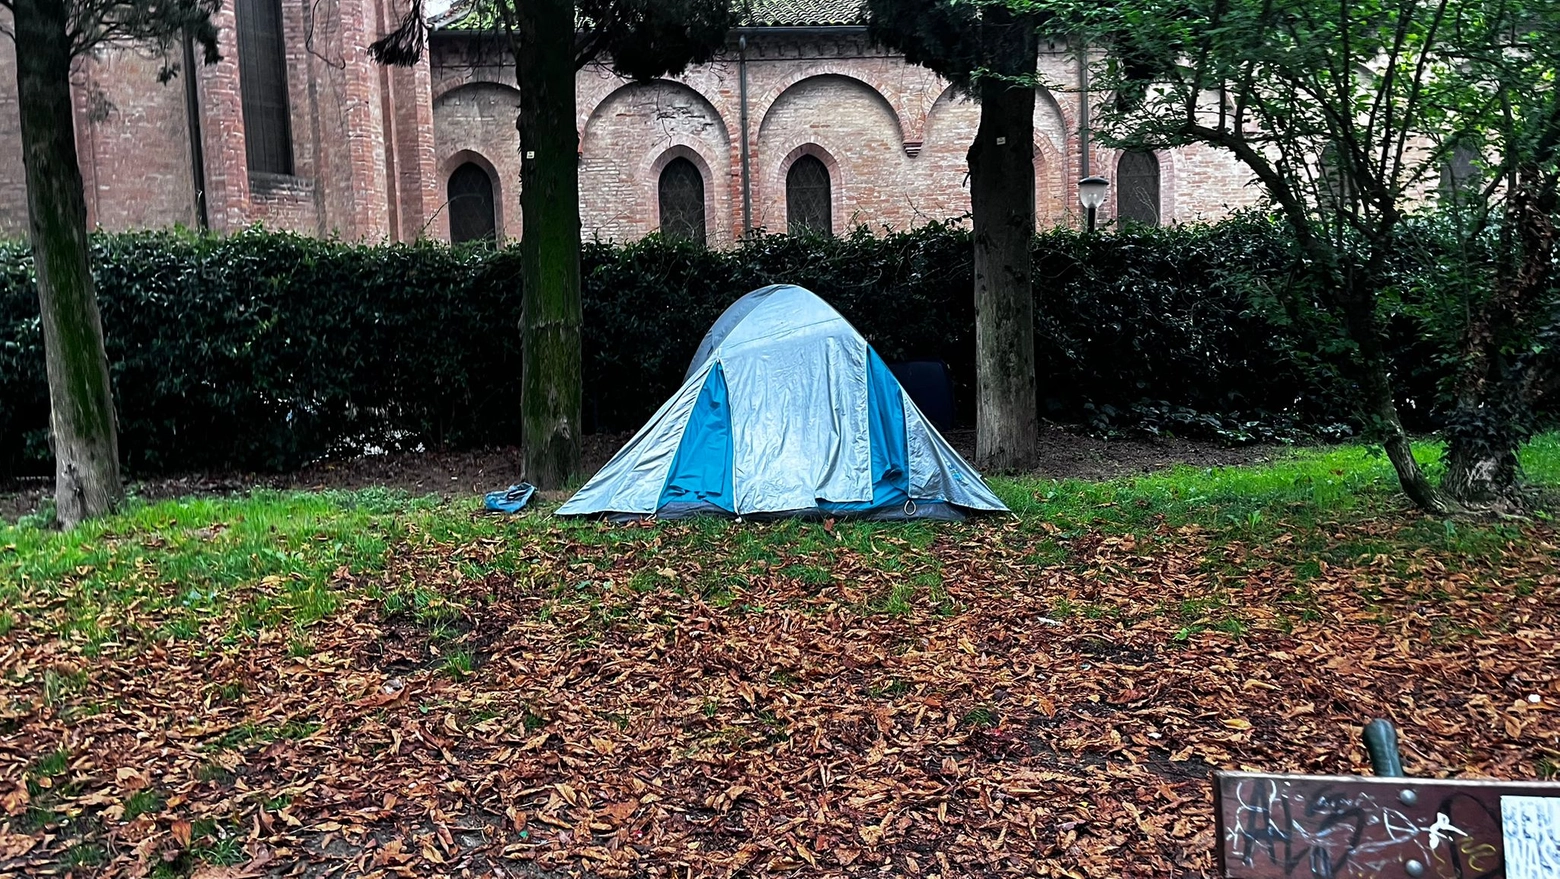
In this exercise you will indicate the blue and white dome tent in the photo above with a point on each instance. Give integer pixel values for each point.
(786, 411)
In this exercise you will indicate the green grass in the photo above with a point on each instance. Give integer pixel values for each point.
(980, 717)
(265, 561)
(85, 856)
(142, 802)
(1315, 481)
(1541, 459)
(458, 664)
(301, 646)
(250, 733)
(230, 570)
(58, 686)
(283, 545)
(53, 763)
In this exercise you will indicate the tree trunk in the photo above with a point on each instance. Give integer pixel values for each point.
(1381, 408)
(550, 242)
(1481, 476)
(86, 444)
(1002, 188)
(1489, 421)
(1502, 372)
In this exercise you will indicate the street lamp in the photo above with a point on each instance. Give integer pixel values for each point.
(1091, 194)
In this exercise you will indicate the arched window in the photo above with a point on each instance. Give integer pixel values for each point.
(262, 86)
(472, 217)
(682, 201)
(808, 197)
(1137, 188)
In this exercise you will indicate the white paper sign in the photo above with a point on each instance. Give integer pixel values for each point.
(1530, 829)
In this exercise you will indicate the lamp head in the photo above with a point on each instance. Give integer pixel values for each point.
(1091, 191)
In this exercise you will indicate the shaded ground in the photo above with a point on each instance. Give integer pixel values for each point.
(330, 687)
(1065, 453)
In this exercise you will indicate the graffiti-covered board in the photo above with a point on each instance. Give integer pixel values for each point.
(1349, 827)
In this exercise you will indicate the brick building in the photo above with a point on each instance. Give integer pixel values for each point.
(297, 128)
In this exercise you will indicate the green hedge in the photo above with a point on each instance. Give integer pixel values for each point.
(266, 350)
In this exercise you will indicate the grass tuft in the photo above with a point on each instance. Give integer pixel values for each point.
(458, 665)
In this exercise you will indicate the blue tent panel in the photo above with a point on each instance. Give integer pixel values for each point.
(701, 472)
(886, 430)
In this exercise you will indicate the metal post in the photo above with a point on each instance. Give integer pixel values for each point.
(1083, 111)
(742, 85)
(192, 119)
(1091, 218)
(1381, 743)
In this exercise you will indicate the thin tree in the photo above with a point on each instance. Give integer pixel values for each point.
(990, 48)
(1509, 346)
(50, 35)
(550, 40)
(1345, 113)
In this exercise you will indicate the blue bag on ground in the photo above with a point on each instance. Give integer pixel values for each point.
(510, 500)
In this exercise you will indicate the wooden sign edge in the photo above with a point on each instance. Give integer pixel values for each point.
(1531, 788)
(1389, 781)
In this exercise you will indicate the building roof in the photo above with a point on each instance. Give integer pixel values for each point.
(470, 14)
(804, 13)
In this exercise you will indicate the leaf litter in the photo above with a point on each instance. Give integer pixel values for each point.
(678, 703)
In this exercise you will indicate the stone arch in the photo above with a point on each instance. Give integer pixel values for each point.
(951, 123)
(462, 76)
(1052, 120)
(486, 96)
(765, 104)
(476, 122)
(704, 117)
(629, 137)
(1056, 144)
(837, 180)
(593, 85)
(1051, 183)
(454, 160)
(851, 122)
(1111, 210)
(596, 85)
(478, 184)
(942, 168)
(1169, 171)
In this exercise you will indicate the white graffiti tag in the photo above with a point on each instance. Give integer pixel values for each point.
(1442, 824)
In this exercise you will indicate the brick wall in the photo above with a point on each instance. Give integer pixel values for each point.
(476, 123)
(853, 127)
(133, 142)
(13, 179)
(374, 147)
(284, 202)
(131, 137)
(630, 139)
(894, 137)
(363, 145)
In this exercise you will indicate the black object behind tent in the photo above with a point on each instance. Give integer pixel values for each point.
(930, 384)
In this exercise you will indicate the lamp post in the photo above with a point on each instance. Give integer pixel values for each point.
(1091, 194)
